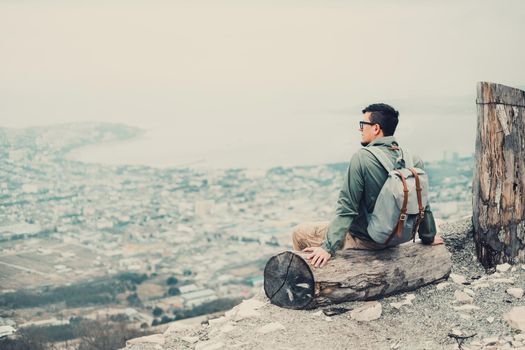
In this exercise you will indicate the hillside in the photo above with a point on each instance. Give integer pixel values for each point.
(471, 303)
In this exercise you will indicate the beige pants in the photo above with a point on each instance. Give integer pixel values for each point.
(312, 234)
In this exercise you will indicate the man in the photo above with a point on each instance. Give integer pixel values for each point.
(363, 182)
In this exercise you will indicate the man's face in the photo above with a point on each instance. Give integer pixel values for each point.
(369, 132)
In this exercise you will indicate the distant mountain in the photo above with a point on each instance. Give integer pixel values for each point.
(62, 138)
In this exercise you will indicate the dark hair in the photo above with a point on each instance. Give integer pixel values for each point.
(384, 115)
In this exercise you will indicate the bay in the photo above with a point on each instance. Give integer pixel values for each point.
(261, 144)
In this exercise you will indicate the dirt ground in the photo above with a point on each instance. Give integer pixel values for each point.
(435, 318)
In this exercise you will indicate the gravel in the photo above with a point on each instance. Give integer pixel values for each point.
(432, 319)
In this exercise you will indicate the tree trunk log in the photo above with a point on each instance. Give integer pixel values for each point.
(290, 282)
(498, 199)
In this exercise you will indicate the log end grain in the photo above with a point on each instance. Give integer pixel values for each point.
(289, 281)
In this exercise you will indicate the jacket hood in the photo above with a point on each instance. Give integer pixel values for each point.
(384, 141)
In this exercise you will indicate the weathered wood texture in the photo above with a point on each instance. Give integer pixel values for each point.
(499, 180)
(353, 275)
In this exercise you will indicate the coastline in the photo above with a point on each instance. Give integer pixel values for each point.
(155, 148)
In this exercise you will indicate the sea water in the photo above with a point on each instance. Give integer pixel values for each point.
(261, 144)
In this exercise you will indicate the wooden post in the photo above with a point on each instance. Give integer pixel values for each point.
(499, 180)
(290, 282)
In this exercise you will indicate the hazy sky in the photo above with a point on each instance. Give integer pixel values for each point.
(255, 66)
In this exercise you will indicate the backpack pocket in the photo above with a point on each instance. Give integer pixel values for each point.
(384, 220)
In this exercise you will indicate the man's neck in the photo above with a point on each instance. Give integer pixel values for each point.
(383, 139)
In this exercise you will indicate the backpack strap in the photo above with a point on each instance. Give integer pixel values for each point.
(407, 157)
(381, 157)
(403, 215)
(419, 202)
(385, 160)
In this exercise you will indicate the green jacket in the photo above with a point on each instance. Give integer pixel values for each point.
(363, 182)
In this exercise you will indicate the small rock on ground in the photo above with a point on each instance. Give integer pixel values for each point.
(503, 267)
(516, 318)
(463, 298)
(458, 279)
(368, 312)
(515, 292)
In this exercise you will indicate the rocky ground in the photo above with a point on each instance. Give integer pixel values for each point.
(474, 309)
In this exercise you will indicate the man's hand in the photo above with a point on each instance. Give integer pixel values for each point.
(319, 256)
(438, 240)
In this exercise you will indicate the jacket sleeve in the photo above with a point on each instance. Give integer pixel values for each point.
(347, 205)
(427, 228)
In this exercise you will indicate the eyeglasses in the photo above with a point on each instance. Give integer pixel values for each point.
(362, 123)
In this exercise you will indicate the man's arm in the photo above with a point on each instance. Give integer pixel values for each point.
(347, 210)
(347, 205)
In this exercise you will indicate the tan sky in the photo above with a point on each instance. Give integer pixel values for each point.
(177, 63)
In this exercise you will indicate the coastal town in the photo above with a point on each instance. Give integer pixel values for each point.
(153, 245)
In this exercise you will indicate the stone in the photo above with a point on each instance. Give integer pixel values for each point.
(217, 322)
(481, 285)
(515, 292)
(503, 280)
(516, 318)
(491, 341)
(503, 267)
(458, 279)
(246, 309)
(271, 327)
(397, 305)
(464, 316)
(463, 298)
(490, 319)
(469, 292)
(191, 340)
(467, 308)
(227, 328)
(328, 319)
(154, 339)
(318, 313)
(368, 312)
(520, 337)
(442, 285)
(241, 315)
(209, 345)
(407, 301)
